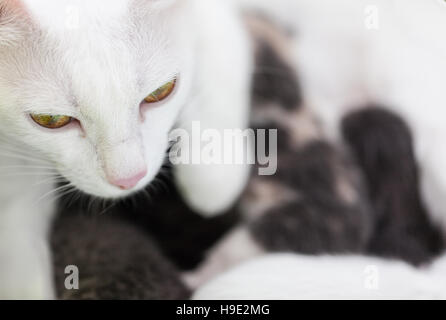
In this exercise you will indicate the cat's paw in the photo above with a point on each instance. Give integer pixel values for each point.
(211, 189)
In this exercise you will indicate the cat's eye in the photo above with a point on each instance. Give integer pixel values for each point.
(51, 121)
(161, 93)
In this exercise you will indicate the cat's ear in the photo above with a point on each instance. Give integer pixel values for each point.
(14, 21)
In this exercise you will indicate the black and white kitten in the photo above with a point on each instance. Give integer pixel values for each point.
(360, 196)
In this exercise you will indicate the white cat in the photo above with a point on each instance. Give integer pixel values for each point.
(81, 84)
(289, 276)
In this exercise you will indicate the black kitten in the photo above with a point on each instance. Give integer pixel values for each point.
(115, 261)
(383, 145)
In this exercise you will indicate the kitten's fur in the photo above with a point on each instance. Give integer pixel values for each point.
(319, 202)
(98, 70)
(383, 145)
(316, 203)
(343, 64)
(115, 259)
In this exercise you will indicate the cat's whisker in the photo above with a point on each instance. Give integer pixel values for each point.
(29, 167)
(56, 197)
(14, 148)
(55, 190)
(55, 179)
(25, 157)
(76, 196)
(113, 203)
(25, 167)
(73, 197)
(30, 157)
(94, 204)
(25, 174)
(63, 193)
(148, 195)
(90, 202)
(150, 190)
(18, 148)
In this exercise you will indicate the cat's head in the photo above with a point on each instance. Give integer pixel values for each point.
(74, 76)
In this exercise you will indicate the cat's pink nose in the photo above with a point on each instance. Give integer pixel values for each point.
(128, 183)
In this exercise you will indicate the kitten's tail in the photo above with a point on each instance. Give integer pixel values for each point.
(382, 143)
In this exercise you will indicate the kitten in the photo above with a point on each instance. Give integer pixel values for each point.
(115, 260)
(354, 53)
(90, 93)
(316, 202)
(360, 195)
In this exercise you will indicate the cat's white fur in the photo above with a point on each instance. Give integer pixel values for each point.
(295, 277)
(97, 63)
